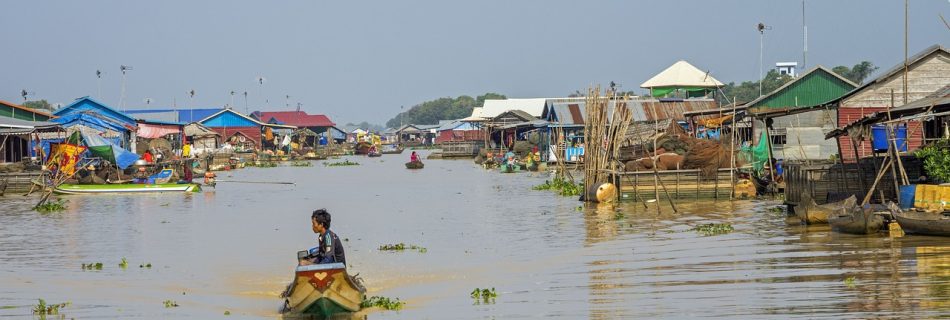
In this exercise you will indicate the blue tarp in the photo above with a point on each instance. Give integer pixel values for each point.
(91, 121)
(123, 158)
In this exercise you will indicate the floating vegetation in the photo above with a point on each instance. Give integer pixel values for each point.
(301, 164)
(341, 163)
(383, 302)
(51, 206)
(849, 281)
(170, 303)
(777, 209)
(401, 247)
(92, 266)
(561, 186)
(48, 309)
(619, 215)
(261, 164)
(227, 313)
(711, 229)
(124, 264)
(485, 294)
(147, 265)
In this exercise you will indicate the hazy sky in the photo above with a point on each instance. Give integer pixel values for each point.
(362, 60)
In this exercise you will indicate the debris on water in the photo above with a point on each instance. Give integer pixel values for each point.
(401, 247)
(711, 229)
(383, 302)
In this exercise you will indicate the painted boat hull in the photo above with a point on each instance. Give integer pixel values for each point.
(125, 188)
(934, 224)
(856, 221)
(323, 290)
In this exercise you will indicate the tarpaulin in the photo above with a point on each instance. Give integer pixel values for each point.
(91, 121)
(64, 157)
(152, 131)
(107, 150)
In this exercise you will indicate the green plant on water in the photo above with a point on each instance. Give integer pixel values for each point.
(170, 303)
(124, 264)
(619, 215)
(776, 209)
(936, 158)
(561, 186)
(486, 294)
(145, 265)
(849, 282)
(710, 229)
(92, 266)
(401, 247)
(51, 206)
(340, 163)
(227, 313)
(301, 164)
(382, 302)
(48, 309)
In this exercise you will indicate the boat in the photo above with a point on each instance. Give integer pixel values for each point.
(126, 188)
(374, 154)
(856, 221)
(323, 290)
(392, 149)
(934, 224)
(414, 165)
(810, 212)
(509, 167)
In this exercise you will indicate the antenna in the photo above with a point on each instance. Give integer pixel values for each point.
(124, 69)
(98, 84)
(24, 94)
(148, 101)
(804, 39)
(761, 27)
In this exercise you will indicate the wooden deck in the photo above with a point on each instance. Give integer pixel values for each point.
(17, 182)
(680, 184)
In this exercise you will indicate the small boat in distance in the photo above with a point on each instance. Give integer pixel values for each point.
(392, 149)
(323, 290)
(927, 223)
(812, 213)
(125, 188)
(414, 165)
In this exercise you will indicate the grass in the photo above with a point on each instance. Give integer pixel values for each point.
(561, 186)
(92, 266)
(383, 302)
(402, 247)
(711, 229)
(340, 163)
(51, 206)
(170, 303)
(47, 309)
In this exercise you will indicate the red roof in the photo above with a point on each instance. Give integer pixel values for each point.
(297, 118)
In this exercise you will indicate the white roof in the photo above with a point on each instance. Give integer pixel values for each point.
(358, 131)
(493, 108)
(476, 115)
(681, 74)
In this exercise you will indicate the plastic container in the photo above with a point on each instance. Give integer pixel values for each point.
(907, 196)
(880, 141)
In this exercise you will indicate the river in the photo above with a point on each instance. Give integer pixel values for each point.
(232, 248)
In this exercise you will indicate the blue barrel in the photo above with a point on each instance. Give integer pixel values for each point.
(907, 196)
(779, 170)
(880, 141)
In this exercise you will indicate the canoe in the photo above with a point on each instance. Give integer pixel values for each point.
(374, 154)
(810, 212)
(390, 149)
(509, 168)
(856, 221)
(126, 188)
(934, 224)
(414, 165)
(323, 290)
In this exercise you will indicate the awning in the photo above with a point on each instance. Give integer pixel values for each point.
(152, 131)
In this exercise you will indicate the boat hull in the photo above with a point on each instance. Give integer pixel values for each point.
(125, 188)
(811, 213)
(323, 290)
(856, 221)
(414, 165)
(934, 224)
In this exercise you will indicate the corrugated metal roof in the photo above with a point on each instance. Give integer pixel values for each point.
(492, 108)
(87, 104)
(817, 86)
(184, 115)
(893, 71)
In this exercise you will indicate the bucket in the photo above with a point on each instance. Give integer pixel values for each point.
(907, 196)
(880, 141)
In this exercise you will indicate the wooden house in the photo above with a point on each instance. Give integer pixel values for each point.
(12, 110)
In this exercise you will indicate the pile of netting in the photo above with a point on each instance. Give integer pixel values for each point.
(706, 155)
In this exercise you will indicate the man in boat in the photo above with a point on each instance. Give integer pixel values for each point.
(329, 249)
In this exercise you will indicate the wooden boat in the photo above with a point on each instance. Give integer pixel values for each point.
(812, 213)
(323, 290)
(934, 224)
(126, 188)
(856, 221)
(374, 154)
(414, 165)
(509, 167)
(392, 149)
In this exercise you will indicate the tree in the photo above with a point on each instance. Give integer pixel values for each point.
(858, 73)
(430, 112)
(39, 104)
(749, 90)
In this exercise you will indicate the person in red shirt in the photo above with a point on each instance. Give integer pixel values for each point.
(147, 156)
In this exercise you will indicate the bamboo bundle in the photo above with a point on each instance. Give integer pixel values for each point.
(604, 128)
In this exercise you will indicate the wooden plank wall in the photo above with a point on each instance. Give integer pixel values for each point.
(839, 181)
(681, 184)
(18, 182)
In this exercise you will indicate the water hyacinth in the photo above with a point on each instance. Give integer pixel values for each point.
(382, 302)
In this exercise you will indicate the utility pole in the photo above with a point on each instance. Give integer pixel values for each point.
(906, 9)
(761, 27)
(123, 68)
(98, 84)
(245, 102)
(804, 39)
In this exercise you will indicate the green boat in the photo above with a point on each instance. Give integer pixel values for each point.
(126, 188)
(509, 168)
(323, 290)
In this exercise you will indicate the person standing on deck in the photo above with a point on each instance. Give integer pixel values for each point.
(329, 248)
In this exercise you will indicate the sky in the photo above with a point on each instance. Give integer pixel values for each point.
(366, 60)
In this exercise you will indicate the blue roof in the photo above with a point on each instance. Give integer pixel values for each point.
(91, 106)
(184, 115)
(229, 118)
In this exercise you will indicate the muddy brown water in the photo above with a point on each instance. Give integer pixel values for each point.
(232, 248)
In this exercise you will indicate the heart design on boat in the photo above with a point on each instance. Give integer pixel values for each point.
(320, 275)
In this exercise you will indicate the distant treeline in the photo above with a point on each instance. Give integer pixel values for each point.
(430, 112)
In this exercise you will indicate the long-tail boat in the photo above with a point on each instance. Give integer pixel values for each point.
(323, 290)
(928, 223)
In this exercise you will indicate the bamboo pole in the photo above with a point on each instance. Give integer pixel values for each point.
(880, 174)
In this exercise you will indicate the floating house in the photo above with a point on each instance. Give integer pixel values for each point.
(927, 72)
(12, 110)
(91, 116)
(681, 79)
(457, 130)
(796, 116)
(17, 137)
(243, 131)
(317, 123)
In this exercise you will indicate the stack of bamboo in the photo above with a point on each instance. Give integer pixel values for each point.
(608, 119)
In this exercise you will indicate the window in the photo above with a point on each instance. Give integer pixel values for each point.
(778, 139)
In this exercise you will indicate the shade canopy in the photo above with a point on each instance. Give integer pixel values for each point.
(680, 76)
